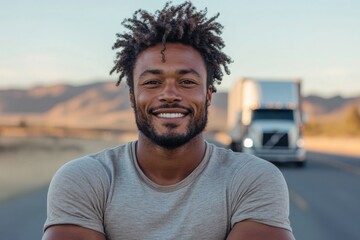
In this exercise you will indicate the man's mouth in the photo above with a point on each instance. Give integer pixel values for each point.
(170, 112)
(170, 115)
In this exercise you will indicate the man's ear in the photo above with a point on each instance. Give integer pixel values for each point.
(209, 95)
(132, 99)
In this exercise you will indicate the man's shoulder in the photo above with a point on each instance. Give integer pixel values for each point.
(227, 156)
(110, 154)
(102, 161)
(242, 163)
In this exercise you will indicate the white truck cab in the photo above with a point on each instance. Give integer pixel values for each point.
(265, 119)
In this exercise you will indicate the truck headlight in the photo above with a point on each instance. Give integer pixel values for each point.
(248, 143)
(300, 143)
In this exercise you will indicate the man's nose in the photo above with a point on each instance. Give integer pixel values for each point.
(170, 93)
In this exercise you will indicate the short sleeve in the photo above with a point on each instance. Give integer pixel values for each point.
(77, 195)
(260, 194)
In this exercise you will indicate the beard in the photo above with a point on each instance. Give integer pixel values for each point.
(171, 140)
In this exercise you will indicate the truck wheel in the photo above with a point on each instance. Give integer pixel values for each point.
(300, 164)
(235, 147)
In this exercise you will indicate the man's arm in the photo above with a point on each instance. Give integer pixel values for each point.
(71, 232)
(250, 230)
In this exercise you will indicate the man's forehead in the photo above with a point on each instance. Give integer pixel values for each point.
(171, 70)
(178, 57)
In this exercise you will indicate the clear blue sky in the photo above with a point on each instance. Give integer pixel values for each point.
(47, 42)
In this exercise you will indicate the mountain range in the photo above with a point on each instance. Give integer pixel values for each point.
(103, 105)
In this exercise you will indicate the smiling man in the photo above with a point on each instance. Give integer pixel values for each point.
(170, 183)
(170, 98)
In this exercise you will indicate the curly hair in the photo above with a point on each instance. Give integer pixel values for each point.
(173, 24)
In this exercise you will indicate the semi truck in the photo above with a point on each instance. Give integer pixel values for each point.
(265, 119)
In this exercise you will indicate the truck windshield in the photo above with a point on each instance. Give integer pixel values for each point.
(273, 114)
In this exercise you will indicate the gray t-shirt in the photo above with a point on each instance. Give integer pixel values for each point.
(109, 193)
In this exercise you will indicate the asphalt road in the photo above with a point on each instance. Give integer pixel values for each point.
(324, 198)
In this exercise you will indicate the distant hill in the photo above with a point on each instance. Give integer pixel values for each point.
(103, 105)
(319, 108)
(65, 105)
(43, 99)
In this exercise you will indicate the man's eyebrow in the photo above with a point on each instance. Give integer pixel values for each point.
(186, 71)
(159, 72)
(151, 71)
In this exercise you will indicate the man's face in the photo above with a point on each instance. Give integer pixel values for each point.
(170, 98)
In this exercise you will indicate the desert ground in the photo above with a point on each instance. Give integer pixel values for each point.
(29, 163)
(336, 145)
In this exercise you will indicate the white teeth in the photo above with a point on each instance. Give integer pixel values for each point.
(170, 115)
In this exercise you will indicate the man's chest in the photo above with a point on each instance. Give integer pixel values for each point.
(188, 213)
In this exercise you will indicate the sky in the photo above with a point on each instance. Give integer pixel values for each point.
(50, 42)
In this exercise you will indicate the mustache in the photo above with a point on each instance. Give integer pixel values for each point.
(174, 105)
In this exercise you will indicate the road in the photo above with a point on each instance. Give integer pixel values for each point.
(324, 199)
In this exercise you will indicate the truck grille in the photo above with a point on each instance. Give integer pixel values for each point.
(275, 140)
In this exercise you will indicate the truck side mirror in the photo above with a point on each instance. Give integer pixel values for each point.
(304, 117)
(239, 118)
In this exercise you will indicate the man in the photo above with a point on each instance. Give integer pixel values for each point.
(170, 183)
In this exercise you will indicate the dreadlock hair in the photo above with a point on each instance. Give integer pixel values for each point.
(174, 24)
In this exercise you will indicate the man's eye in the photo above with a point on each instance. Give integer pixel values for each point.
(152, 82)
(187, 82)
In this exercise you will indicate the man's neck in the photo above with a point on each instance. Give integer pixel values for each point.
(169, 166)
